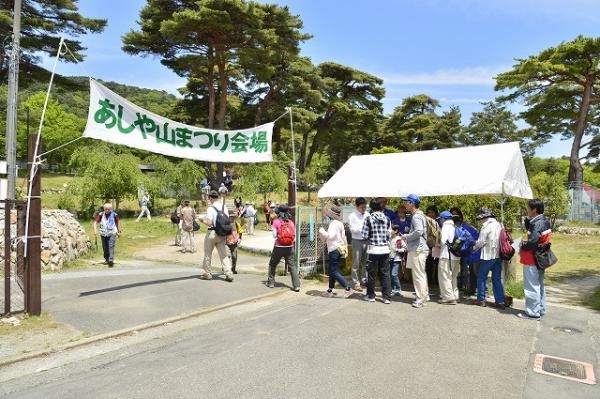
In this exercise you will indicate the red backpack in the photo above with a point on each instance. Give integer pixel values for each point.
(506, 249)
(286, 233)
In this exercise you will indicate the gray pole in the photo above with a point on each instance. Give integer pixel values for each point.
(11, 111)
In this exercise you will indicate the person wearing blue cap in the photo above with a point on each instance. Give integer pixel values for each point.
(416, 245)
(449, 265)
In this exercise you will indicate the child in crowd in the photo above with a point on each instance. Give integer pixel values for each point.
(397, 250)
(233, 239)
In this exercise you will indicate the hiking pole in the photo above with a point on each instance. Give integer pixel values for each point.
(96, 242)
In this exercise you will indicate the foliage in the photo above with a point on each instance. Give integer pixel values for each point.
(384, 150)
(59, 127)
(470, 204)
(262, 178)
(553, 192)
(560, 87)
(43, 22)
(414, 125)
(105, 172)
(496, 124)
(173, 179)
(217, 45)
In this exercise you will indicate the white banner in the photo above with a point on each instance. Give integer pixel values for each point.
(114, 119)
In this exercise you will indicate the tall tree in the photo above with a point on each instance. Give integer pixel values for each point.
(561, 89)
(43, 22)
(415, 126)
(497, 124)
(347, 95)
(207, 40)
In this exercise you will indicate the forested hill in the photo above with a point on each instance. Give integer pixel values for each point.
(67, 110)
(72, 93)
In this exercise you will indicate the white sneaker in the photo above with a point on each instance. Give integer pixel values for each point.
(418, 304)
(387, 302)
(348, 293)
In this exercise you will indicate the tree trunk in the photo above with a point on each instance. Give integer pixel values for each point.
(210, 87)
(575, 167)
(223, 86)
(264, 104)
(303, 145)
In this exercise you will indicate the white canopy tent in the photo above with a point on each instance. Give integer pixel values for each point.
(487, 169)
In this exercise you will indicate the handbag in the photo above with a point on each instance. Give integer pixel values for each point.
(544, 257)
(343, 250)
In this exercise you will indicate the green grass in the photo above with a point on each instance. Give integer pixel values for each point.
(577, 258)
(593, 301)
(31, 323)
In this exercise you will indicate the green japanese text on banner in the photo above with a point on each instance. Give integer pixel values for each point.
(114, 119)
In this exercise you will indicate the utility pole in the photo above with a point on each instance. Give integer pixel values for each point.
(11, 112)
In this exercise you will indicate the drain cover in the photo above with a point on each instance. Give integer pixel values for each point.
(567, 330)
(564, 368)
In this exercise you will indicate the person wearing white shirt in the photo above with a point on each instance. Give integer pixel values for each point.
(337, 248)
(489, 242)
(249, 214)
(449, 265)
(212, 240)
(359, 244)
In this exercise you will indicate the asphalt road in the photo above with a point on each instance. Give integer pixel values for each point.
(305, 346)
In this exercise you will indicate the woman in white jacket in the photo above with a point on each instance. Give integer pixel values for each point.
(449, 265)
(489, 242)
(337, 248)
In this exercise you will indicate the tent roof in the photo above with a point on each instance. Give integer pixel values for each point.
(486, 169)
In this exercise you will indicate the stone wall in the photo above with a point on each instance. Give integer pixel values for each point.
(63, 238)
(586, 231)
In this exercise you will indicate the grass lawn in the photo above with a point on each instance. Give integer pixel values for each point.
(577, 258)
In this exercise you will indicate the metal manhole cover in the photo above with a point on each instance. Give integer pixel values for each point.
(564, 368)
(567, 330)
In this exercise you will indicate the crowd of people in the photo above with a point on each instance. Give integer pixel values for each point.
(384, 243)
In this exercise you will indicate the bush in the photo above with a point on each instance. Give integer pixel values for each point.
(515, 289)
(66, 201)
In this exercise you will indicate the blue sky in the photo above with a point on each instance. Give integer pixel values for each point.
(447, 49)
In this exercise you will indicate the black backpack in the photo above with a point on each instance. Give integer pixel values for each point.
(221, 225)
(174, 218)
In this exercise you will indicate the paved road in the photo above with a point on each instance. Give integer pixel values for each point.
(305, 346)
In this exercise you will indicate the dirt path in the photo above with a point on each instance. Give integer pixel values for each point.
(572, 291)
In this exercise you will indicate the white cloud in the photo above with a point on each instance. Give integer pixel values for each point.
(479, 76)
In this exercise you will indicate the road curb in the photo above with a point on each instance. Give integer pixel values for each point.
(140, 327)
(253, 250)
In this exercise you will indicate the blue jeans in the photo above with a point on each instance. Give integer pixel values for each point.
(395, 265)
(495, 265)
(535, 294)
(334, 274)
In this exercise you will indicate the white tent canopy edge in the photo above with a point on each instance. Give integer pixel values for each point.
(486, 169)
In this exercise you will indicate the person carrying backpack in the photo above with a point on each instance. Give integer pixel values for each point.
(488, 241)
(416, 245)
(449, 264)
(217, 220)
(284, 232)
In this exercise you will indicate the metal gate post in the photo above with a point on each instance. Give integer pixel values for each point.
(33, 276)
(7, 239)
